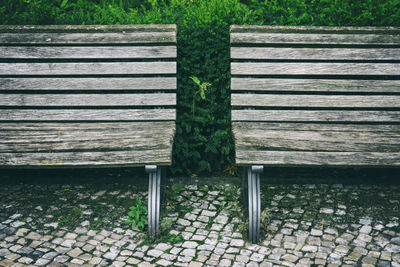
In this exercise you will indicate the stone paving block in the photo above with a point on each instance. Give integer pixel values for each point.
(41, 262)
(237, 243)
(25, 260)
(33, 236)
(75, 252)
(13, 256)
(61, 259)
(68, 243)
(154, 253)
(242, 258)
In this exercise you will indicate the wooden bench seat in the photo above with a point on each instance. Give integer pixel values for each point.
(313, 96)
(89, 96)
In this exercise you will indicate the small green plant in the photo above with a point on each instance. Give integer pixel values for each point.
(137, 216)
(395, 228)
(202, 88)
(174, 238)
(265, 218)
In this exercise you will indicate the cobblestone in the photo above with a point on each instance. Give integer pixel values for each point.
(327, 225)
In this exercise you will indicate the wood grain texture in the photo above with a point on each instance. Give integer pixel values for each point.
(87, 100)
(309, 38)
(87, 68)
(320, 127)
(313, 158)
(86, 52)
(310, 137)
(317, 68)
(302, 53)
(86, 159)
(314, 85)
(85, 131)
(284, 136)
(88, 38)
(65, 137)
(89, 28)
(87, 115)
(317, 116)
(315, 101)
(314, 29)
(20, 84)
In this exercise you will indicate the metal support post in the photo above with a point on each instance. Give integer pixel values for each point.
(154, 199)
(253, 201)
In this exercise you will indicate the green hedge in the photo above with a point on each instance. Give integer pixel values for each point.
(203, 142)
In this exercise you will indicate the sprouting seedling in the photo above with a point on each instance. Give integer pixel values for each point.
(202, 87)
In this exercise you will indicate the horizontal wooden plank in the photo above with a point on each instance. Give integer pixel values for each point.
(85, 52)
(316, 101)
(310, 137)
(66, 137)
(87, 114)
(273, 53)
(316, 116)
(159, 83)
(314, 29)
(311, 38)
(87, 100)
(88, 38)
(90, 28)
(314, 85)
(321, 127)
(86, 159)
(316, 68)
(87, 68)
(306, 158)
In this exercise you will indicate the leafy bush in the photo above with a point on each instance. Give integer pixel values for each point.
(327, 12)
(203, 141)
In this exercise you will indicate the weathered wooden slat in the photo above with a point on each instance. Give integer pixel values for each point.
(160, 83)
(62, 137)
(25, 128)
(314, 85)
(86, 159)
(259, 137)
(86, 52)
(314, 158)
(316, 116)
(87, 100)
(315, 53)
(89, 28)
(87, 114)
(317, 68)
(320, 127)
(87, 68)
(325, 39)
(325, 101)
(88, 38)
(313, 29)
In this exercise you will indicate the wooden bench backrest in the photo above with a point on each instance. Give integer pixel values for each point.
(87, 74)
(316, 79)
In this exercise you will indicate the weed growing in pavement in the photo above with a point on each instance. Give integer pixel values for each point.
(71, 218)
(395, 228)
(137, 216)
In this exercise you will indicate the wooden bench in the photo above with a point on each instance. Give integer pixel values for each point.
(89, 96)
(313, 96)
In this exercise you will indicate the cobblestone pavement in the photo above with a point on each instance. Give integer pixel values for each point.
(202, 225)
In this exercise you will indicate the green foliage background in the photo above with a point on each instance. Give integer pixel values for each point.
(203, 142)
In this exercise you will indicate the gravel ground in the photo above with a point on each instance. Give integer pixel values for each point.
(82, 224)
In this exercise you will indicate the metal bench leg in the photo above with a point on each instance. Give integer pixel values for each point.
(254, 202)
(154, 199)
